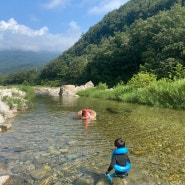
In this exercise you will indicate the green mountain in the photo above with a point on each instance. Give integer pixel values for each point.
(12, 61)
(142, 35)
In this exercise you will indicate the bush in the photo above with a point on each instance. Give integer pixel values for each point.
(102, 86)
(30, 93)
(142, 79)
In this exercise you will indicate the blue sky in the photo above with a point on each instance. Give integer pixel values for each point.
(52, 25)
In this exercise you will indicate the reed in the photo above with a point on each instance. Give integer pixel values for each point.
(162, 93)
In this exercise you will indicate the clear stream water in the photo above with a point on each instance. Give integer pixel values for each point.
(49, 139)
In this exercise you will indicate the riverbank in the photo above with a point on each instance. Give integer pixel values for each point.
(16, 99)
(143, 89)
(12, 101)
(48, 135)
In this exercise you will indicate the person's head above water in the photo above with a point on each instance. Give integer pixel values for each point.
(85, 112)
(119, 143)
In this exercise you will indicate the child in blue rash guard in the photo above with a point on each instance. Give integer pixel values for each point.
(120, 161)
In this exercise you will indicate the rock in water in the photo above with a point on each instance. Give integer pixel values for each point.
(47, 181)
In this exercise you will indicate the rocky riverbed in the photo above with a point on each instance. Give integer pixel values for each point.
(12, 100)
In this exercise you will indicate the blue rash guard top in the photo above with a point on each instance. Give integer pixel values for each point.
(120, 161)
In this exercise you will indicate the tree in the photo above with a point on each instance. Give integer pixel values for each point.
(28, 77)
(160, 39)
(2, 79)
(183, 3)
(178, 72)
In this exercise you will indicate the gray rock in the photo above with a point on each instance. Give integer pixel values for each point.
(85, 180)
(4, 179)
(71, 90)
(7, 112)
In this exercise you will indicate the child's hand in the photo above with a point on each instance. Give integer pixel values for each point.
(108, 176)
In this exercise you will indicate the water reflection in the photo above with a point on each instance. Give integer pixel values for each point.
(86, 123)
(69, 101)
(49, 139)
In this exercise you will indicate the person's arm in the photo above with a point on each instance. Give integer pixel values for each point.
(111, 166)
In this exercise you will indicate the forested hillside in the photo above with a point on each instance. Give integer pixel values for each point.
(142, 35)
(16, 60)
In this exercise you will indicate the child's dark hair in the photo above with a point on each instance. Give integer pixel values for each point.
(119, 143)
(84, 112)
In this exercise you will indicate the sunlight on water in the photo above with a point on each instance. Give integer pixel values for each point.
(50, 140)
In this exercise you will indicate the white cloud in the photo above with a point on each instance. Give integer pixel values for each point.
(56, 3)
(21, 37)
(106, 6)
(12, 26)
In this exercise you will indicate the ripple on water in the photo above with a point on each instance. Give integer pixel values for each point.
(47, 140)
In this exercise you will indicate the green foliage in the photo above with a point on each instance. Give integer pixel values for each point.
(141, 80)
(56, 69)
(95, 91)
(14, 101)
(29, 90)
(178, 72)
(30, 94)
(138, 49)
(17, 60)
(88, 92)
(52, 83)
(17, 100)
(142, 35)
(113, 49)
(26, 77)
(159, 41)
(102, 86)
(2, 79)
(119, 90)
(162, 93)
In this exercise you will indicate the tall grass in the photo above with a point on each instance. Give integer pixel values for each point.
(162, 93)
(30, 94)
(29, 90)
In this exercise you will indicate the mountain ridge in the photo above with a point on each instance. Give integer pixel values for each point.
(107, 52)
(17, 60)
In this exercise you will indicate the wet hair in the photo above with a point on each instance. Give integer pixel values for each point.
(84, 112)
(119, 143)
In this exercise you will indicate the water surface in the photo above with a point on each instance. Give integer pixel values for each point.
(49, 139)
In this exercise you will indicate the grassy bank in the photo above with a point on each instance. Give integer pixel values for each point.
(143, 89)
(18, 100)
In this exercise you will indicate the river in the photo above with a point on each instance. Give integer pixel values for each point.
(48, 139)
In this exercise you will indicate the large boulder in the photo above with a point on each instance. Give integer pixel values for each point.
(71, 90)
(6, 112)
(67, 90)
(50, 91)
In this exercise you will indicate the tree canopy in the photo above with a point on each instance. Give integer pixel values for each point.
(142, 35)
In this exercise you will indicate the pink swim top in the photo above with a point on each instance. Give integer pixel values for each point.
(86, 113)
